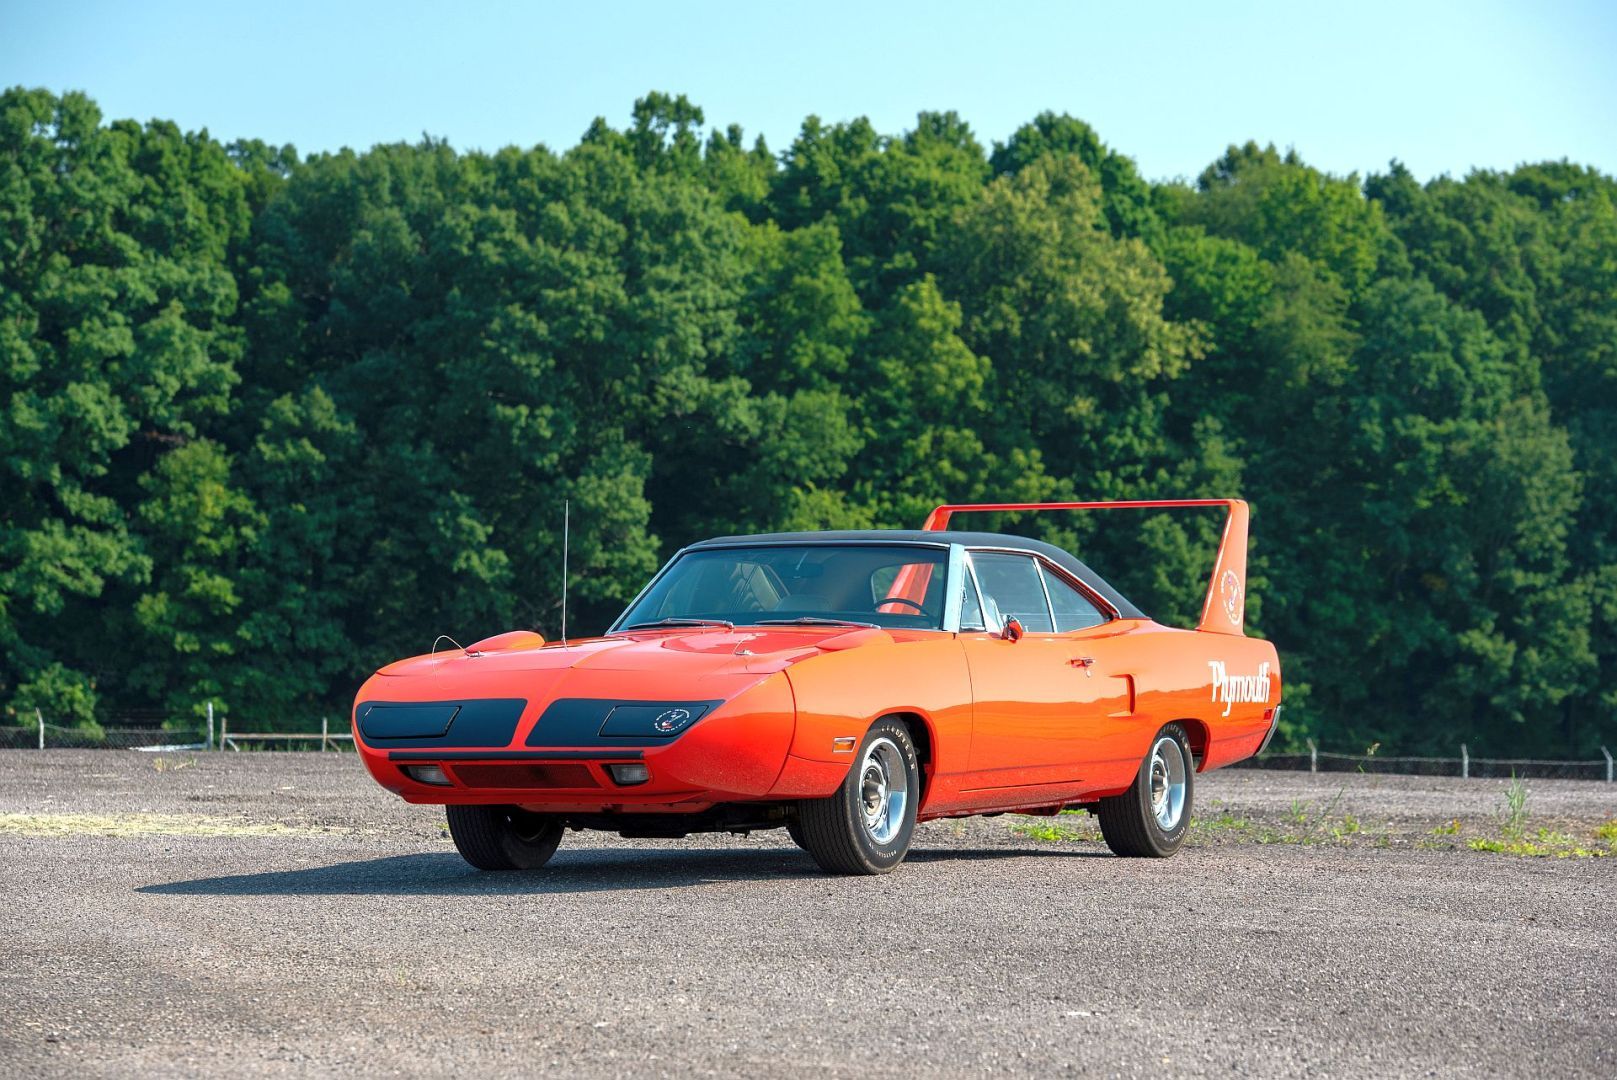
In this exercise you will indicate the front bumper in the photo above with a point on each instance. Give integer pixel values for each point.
(578, 780)
(557, 755)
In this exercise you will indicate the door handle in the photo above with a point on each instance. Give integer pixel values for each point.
(1085, 662)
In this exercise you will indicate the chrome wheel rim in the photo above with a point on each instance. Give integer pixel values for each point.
(883, 790)
(1168, 773)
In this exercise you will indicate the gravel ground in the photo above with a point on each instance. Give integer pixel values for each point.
(278, 914)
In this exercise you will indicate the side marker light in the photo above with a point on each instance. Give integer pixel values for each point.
(844, 744)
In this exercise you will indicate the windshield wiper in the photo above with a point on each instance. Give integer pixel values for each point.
(654, 624)
(815, 620)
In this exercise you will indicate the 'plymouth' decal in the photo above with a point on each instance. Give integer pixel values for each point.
(1234, 689)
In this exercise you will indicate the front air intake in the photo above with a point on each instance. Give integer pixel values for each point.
(526, 777)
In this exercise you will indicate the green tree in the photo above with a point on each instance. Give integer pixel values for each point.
(1126, 198)
(267, 422)
(116, 307)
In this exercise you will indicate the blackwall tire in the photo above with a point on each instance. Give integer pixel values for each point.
(866, 827)
(794, 829)
(1151, 819)
(504, 837)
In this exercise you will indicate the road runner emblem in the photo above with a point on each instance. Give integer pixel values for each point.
(1230, 587)
(671, 720)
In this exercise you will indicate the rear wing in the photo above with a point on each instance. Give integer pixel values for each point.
(1224, 610)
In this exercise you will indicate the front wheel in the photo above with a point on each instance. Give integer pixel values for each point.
(866, 827)
(794, 829)
(1151, 818)
(504, 837)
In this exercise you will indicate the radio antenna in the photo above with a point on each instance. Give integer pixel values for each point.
(566, 530)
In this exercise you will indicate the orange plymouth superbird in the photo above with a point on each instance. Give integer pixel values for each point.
(842, 686)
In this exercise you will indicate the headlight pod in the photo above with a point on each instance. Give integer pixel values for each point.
(581, 722)
(660, 720)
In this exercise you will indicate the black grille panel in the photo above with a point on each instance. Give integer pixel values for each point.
(526, 777)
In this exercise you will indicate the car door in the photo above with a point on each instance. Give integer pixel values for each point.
(1047, 705)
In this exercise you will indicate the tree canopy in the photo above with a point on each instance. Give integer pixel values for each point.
(270, 420)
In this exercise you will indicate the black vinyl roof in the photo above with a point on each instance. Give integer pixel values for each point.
(1060, 558)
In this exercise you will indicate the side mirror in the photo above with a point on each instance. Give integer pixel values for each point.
(1012, 630)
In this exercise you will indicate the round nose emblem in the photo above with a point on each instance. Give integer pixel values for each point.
(670, 720)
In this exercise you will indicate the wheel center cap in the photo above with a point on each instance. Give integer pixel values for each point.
(875, 792)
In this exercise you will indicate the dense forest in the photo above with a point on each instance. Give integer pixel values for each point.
(270, 420)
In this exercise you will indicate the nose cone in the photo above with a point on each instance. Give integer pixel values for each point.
(686, 664)
(727, 714)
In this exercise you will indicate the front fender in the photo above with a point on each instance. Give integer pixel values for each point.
(741, 747)
(840, 694)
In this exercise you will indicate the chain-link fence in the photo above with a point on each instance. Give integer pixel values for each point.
(178, 733)
(156, 730)
(105, 738)
(1462, 765)
(151, 738)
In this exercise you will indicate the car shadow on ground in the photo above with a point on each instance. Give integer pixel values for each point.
(581, 870)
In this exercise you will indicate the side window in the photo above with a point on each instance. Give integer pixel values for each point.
(1011, 584)
(1073, 610)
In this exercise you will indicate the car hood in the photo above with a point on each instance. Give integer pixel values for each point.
(703, 651)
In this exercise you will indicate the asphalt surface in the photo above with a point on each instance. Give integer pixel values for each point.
(278, 914)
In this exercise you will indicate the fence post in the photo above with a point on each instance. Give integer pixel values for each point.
(41, 718)
(1603, 750)
(1465, 763)
(224, 729)
(1313, 757)
(210, 723)
(325, 742)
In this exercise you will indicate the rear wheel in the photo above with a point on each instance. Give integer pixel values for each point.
(1151, 818)
(866, 827)
(504, 837)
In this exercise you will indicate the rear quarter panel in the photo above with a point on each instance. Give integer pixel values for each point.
(1221, 687)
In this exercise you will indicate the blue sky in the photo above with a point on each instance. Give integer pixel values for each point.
(1441, 86)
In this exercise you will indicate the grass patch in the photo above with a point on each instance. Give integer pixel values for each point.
(1346, 827)
(126, 825)
(1327, 821)
(1545, 843)
(1302, 823)
(1514, 839)
(1225, 821)
(1513, 817)
(1050, 832)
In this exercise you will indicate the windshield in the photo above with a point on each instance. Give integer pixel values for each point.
(893, 585)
